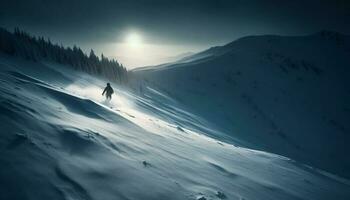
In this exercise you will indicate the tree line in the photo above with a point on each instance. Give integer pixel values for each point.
(21, 44)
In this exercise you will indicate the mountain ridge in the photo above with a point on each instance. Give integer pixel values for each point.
(291, 89)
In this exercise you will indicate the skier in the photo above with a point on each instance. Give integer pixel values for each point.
(109, 91)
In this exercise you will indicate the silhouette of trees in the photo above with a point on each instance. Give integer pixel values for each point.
(23, 45)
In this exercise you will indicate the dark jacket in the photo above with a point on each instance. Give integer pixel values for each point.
(108, 90)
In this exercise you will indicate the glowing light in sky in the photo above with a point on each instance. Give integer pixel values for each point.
(135, 49)
(134, 40)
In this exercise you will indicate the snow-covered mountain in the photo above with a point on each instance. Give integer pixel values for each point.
(60, 139)
(286, 95)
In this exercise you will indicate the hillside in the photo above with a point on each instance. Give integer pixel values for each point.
(60, 140)
(286, 95)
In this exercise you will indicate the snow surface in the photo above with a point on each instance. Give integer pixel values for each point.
(286, 95)
(60, 139)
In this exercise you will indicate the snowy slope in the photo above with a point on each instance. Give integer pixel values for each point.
(287, 95)
(60, 140)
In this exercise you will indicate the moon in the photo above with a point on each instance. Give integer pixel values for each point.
(134, 40)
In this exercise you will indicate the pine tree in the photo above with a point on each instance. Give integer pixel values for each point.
(22, 44)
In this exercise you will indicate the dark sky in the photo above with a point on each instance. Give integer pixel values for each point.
(196, 23)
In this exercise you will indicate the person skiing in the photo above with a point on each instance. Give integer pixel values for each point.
(109, 91)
